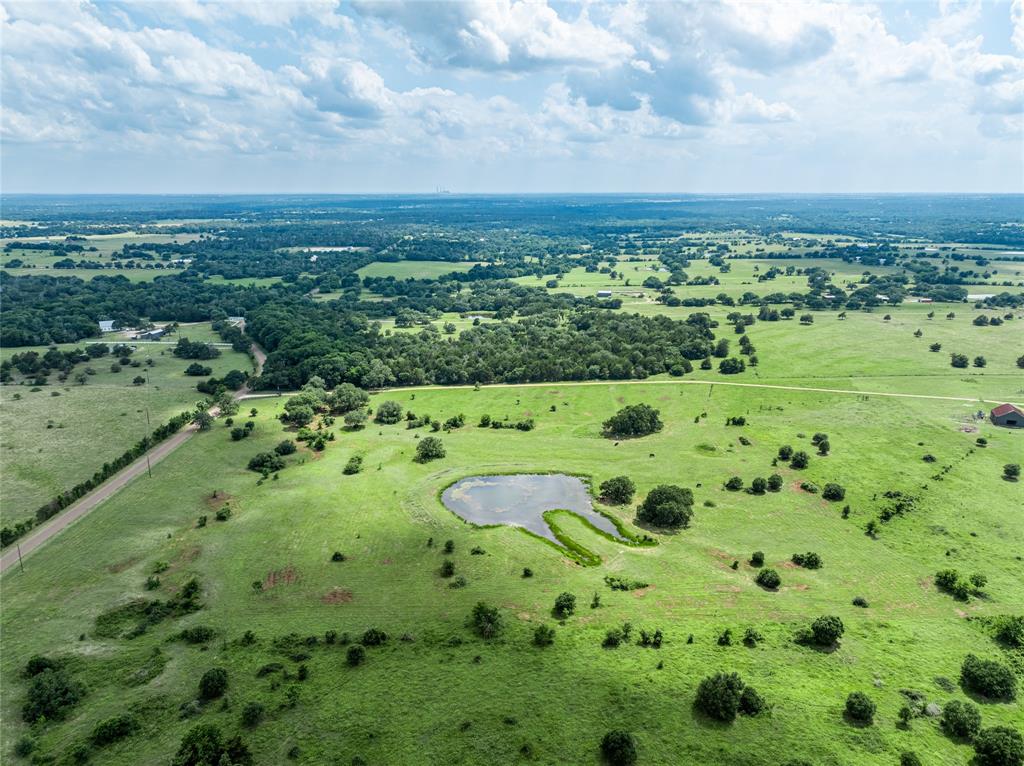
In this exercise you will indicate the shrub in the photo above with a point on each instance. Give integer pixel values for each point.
(633, 420)
(785, 452)
(618, 490)
(252, 713)
(808, 560)
(751, 703)
(486, 620)
(999, 746)
(718, 696)
(758, 486)
(355, 419)
(388, 413)
(543, 635)
(112, 729)
(1011, 471)
(908, 758)
(374, 637)
(732, 366)
(946, 579)
(958, 360)
(50, 694)
(1010, 629)
(619, 748)
(774, 483)
(213, 683)
(826, 630)
(527, 572)
(667, 505)
(768, 578)
(287, 447)
(355, 655)
(266, 462)
(565, 605)
(353, 466)
(800, 459)
(204, 744)
(337, 556)
(734, 484)
(860, 601)
(37, 664)
(429, 448)
(757, 559)
(961, 719)
(447, 568)
(833, 492)
(989, 678)
(860, 708)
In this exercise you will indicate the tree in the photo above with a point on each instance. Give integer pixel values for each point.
(252, 713)
(909, 758)
(809, 560)
(731, 366)
(988, 678)
(1011, 471)
(800, 459)
(355, 419)
(565, 605)
(618, 490)
(50, 694)
(619, 748)
(834, 492)
(633, 420)
(347, 398)
(758, 486)
(860, 708)
(138, 380)
(958, 360)
(378, 375)
(388, 413)
(979, 361)
(935, 347)
(961, 719)
(785, 452)
(355, 655)
(429, 448)
(486, 620)
(768, 578)
(204, 745)
(999, 746)
(734, 484)
(203, 420)
(718, 696)
(757, 559)
(751, 703)
(774, 483)
(824, 447)
(286, 447)
(543, 635)
(826, 630)
(667, 505)
(213, 683)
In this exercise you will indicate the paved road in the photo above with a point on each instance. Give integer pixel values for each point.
(42, 534)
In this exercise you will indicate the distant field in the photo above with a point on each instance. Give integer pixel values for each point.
(217, 279)
(53, 442)
(445, 696)
(413, 269)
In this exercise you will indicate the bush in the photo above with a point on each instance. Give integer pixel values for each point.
(52, 692)
(785, 452)
(565, 605)
(718, 696)
(860, 601)
(353, 466)
(633, 420)
(826, 630)
(374, 637)
(999, 746)
(800, 459)
(355, 419)
(732, 366)
(447, 568)
(768, 578)
(667, 505)
(833, 492)
(543, 635)
(112, 729)
(355, 655)
(946, 579)
(757, 559)
(266, 462)
(808, 560)
(961, 719)
(958, 360)
(734, 484)
(213, 683)
(774, 483)
(1011, 471)
(337, 556)
(204, 745)
(619, 748)
(287, 447)
(430, 448)
(988, 678)
(758, 486)
(751, 703)
(388, 413)
(252, 713)
(618, 490)
(1010, 629)
(486, 620)
(908, 758)
(860, 708)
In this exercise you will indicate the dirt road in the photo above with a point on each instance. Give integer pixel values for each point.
(42, 534)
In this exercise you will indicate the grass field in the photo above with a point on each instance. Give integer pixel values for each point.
(413, 269)
(434, 699)
(58, 435)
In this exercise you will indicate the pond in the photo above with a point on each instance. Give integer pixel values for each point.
(520, 500)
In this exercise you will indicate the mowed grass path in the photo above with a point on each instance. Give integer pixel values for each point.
(432, 700)
(53, 442)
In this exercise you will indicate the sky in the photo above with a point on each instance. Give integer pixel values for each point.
(325, 96)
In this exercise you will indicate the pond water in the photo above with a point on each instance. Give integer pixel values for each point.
(520, 500)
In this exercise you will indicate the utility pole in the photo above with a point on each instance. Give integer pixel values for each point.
(20, 564)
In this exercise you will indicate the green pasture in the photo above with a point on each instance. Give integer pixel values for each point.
(60, 434)
(438, 694)
(413, 269)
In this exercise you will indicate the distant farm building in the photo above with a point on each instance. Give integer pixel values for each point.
(156, 334)
(604, 293)
(107, 325)
(1007, 415)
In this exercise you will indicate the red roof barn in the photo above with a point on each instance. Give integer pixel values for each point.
(1007, 415)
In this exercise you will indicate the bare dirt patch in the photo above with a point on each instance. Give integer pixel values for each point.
(795, 486)
(120, 566)
(337, 596)
(641, 592)
(186, 556)
(218, 499)
(287, 576)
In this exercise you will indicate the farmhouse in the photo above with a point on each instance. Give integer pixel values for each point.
(1007, 415)
(106, 325)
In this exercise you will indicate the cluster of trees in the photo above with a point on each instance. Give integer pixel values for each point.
(633, 420)
(188, 349)
(668, 506)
